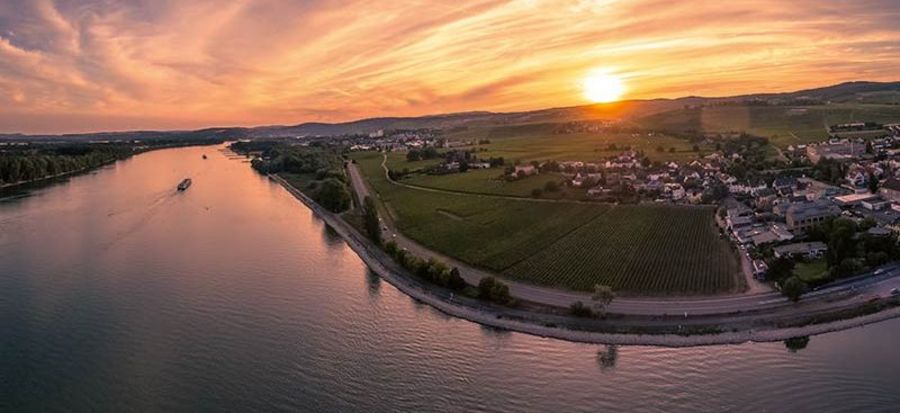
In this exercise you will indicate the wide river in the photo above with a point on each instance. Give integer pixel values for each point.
(118, 293)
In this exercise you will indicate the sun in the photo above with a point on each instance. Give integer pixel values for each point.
(603, 87)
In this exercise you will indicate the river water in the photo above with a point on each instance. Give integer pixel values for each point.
(118, 293)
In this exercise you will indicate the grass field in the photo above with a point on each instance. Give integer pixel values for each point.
(783, 124)
(812, 272)
(649, 250)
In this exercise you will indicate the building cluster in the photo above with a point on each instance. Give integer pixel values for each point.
(789, 214)
(395, 140)
(591, 126)
(632, 173)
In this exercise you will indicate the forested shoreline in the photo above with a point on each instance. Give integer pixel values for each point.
(24, 162)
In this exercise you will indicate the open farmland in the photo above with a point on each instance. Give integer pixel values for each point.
(538, 142)
(488, 232)
(650, 250)
(489, 181)
(784, 125)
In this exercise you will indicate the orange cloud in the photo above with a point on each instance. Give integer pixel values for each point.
(172, 64)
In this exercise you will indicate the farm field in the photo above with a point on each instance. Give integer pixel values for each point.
(784, 125)
(487, 181)
(646, 248)
(636, 249)
(537, 142)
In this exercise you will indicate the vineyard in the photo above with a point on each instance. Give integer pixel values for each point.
(642, 249)
(645, 249)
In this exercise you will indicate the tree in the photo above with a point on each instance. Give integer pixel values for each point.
(333, 195)
(391, 248)
(672, 149)
(456, 280)
(695, 148)
(537, 192)
(603, 295)
(578, 309)
(495, 291)
(413, 155)
(608, 358)
(780, 269)
(793, 287)
(795, 344)
(370, 216)
(873, 183)
(551, 186)
(841, 240)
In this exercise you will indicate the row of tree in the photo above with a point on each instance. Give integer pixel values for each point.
(431, 269)
(35, 164)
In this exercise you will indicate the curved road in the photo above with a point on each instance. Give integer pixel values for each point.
(860, 288)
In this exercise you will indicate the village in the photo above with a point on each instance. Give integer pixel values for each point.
(767, 208)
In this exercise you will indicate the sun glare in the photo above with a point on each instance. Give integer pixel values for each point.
(603, 87)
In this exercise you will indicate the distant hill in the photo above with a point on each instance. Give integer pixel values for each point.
(856, 92)
(785, 118)
(661, 113)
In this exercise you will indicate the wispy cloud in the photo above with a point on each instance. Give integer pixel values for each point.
(171, 64)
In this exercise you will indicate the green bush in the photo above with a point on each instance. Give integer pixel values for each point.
(490, 289)
(578, 309)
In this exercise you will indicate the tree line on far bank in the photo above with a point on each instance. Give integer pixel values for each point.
(33, 162)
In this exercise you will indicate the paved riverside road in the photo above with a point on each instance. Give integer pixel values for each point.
(866, 285)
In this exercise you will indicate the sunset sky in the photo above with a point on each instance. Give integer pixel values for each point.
(72, 66)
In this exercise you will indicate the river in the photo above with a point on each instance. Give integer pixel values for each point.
(118, 293)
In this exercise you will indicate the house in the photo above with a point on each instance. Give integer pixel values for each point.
(738, 215)
(578, 180)
(878, 232)
(773, 233)
(842, 150)
(854, 199)
(875, 204)
(784, 184)
(765, 198)
(676, 191)
(480, 165)
(857, 178)
(598, 191)
(760, 269)
(525, 170)
(803, 216)
(800, 249)
(890, 190)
